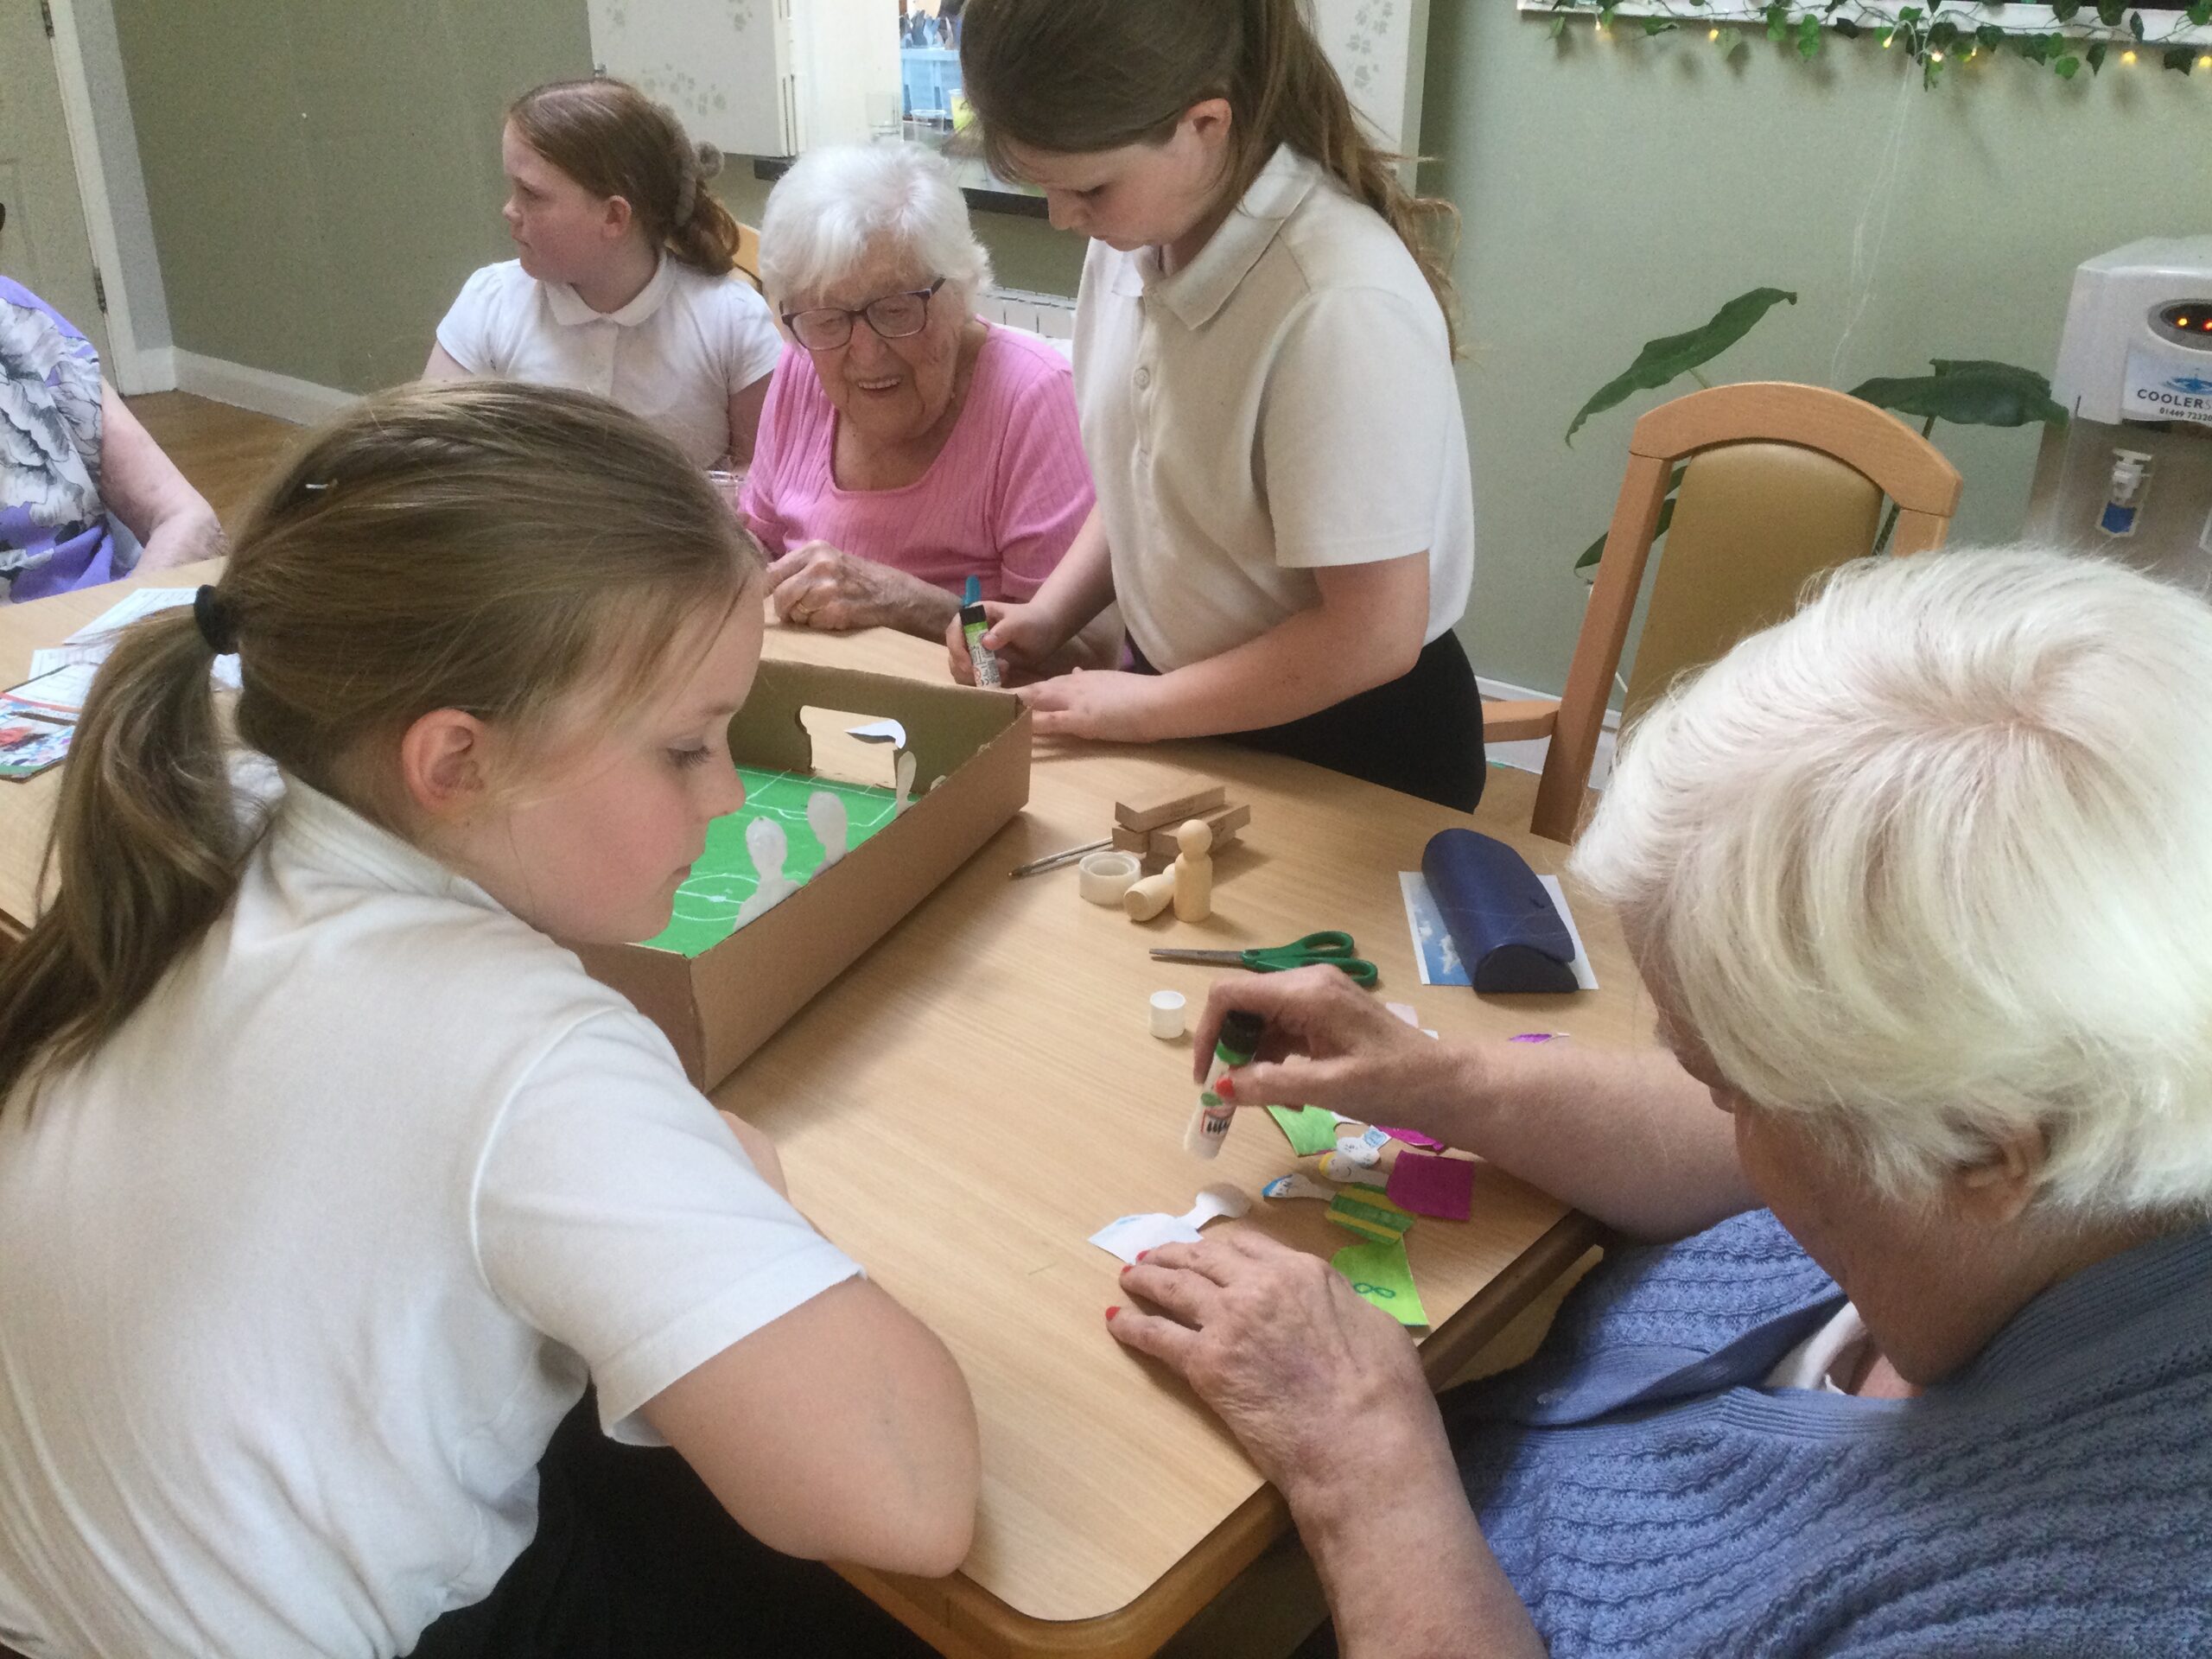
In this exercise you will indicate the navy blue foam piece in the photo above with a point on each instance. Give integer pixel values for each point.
(1507, 930)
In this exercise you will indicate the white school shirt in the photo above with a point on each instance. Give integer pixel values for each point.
(300, 1270)
(674, 356)
(1285, 401)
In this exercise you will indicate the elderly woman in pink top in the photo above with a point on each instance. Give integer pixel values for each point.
(907, 445)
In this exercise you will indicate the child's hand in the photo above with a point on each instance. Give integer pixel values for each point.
(1022, 636)
(1108, 705)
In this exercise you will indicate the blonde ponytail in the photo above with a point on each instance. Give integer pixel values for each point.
(145, 851)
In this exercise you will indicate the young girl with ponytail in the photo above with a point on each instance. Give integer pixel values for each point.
(624, 285)
(328, 1180)
(1263, 365)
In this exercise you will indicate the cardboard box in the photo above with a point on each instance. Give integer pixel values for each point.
(971, 750)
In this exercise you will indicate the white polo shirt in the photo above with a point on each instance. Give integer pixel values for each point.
(1284, 402)
(300, 1268)
(674, 356)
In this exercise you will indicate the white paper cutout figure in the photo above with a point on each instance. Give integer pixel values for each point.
(904, 773)
(768, 846)
(832, 826)
(1295, 1185)
(1132, 1235)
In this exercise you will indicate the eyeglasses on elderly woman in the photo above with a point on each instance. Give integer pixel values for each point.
(894, 316)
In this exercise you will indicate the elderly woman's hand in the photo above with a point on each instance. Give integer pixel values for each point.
(818, 585)
(1331, 1043)
(1303, 1370)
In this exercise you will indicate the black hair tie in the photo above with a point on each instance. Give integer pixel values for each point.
(217, 626)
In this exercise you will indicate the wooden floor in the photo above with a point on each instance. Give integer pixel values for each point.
(226, 452)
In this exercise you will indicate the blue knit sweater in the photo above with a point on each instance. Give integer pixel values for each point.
(1648, 1496)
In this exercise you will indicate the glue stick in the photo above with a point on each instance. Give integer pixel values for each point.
(1238, 1043)
(974, 623)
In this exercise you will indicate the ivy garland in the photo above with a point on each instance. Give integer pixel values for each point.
(1930, 34)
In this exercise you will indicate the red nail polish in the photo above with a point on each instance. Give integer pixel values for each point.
(1141, 1256)
(1225, 1086)
(1112, 1310)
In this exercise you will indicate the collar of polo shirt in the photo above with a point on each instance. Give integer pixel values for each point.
(1195, 293)
(569, 311)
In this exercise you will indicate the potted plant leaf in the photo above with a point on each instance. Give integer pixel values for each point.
(1964, 392)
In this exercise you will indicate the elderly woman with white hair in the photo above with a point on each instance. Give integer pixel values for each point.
(907, 445)
(1920, 883)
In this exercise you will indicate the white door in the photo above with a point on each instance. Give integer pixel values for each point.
(43, 244)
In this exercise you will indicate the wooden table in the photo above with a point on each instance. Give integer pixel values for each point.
(980, 1093)
(973, 1099)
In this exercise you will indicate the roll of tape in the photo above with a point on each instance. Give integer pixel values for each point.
(1104, 877)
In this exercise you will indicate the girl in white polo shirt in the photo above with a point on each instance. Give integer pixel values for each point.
(1263, 366)
(328, 1179)
(626, 285)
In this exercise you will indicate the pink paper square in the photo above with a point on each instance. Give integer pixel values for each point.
(1415, 1138)
(1430, 1186)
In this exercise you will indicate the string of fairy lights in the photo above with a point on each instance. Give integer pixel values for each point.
(2084, 35)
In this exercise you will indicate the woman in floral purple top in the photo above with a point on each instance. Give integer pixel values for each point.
(76, 466)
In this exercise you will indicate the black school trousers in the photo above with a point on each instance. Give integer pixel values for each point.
(635, 1559)
(1421, 734)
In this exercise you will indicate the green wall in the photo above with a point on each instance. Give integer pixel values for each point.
(323, 177)
(1621, 189)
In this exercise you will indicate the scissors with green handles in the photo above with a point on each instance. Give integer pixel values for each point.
(1333, 949)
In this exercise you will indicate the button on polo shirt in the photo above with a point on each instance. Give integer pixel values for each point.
(1285, 402)
(674, 356)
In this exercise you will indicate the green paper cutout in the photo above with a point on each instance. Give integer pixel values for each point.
(707, 903)
(1380, 1272)
(1364, 1210)
(1308, 1128)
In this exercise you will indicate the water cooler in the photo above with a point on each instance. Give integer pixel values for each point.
(2130, 475)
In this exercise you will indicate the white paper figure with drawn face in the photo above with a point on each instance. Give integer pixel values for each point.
(769, 847)
(904, 772)
(832, 826)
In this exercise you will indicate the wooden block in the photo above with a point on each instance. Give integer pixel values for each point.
(1137, 842)
(1225, 823)
(1189, 797)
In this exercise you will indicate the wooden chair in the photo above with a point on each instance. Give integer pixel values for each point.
(748, 255)
(1781, 482)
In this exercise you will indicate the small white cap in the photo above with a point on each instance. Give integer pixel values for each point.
(1167, 1014)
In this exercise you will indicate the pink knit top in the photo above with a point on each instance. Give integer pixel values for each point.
(1001, 501)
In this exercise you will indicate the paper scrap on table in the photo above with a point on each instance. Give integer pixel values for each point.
(1131, 1235)
(1436, 955)
(879, 731)
(1444, 1187)
(1415, 1138)
(1308, 1128)
(92, 642)
(58, 696)
(1379, 1271)
(30, 746)
(1366, 1210)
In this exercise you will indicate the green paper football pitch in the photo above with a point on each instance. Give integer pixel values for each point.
(707, 903)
